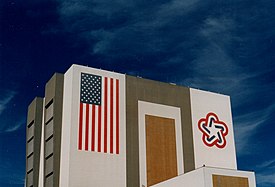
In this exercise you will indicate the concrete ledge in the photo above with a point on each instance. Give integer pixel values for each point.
(203, 177)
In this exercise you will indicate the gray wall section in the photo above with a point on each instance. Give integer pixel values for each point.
(54, 94)
(160, 93)
(34, 119)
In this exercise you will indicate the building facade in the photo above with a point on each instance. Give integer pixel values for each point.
(100, 128)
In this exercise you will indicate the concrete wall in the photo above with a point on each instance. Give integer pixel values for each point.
(33, 144)
(193, 178)
(216, 155)
(52, 129)
(203, 177)
(164, 96)
(84, 168)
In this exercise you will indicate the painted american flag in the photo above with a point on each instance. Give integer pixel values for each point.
(99, 114)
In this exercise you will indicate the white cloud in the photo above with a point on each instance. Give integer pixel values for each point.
(266, 179)
(14, 127)
(246, 126)
(105, 38)
(6, 126)
(243, 133)
(8, 96)
(267, 164)
(71, 8)
(170, 11)
(124, 27)
(213, 68)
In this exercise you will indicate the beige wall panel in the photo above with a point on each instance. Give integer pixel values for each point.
(48, 147)
(30, 163)
(48, 130)
(49, 163)
(49, 181)
(30, 147)
(49, 113)
(30, 132)
(30, 179)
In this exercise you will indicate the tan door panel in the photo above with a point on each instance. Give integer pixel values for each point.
(229, 181)
(161, 155)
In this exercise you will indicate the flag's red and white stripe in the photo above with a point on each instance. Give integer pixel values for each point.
(99, 124)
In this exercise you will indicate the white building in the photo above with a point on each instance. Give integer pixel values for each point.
(99, 128)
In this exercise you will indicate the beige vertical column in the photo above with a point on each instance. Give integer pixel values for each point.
(52, 129)
(33, 144)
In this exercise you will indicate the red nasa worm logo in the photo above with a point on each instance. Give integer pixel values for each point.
(214, 131)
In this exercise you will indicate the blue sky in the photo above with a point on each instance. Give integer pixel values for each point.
(221, 46)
